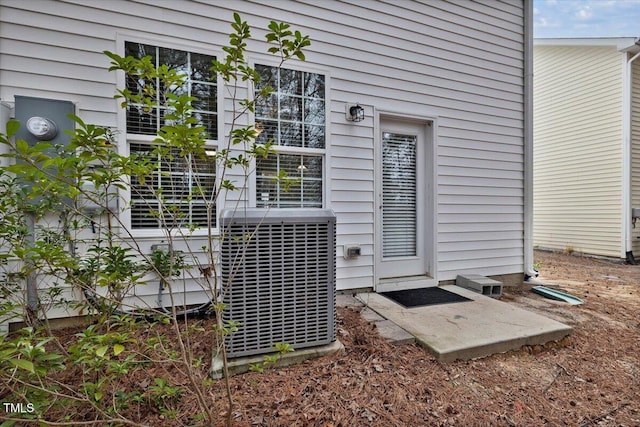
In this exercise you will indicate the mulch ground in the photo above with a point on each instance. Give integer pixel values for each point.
(592, 378)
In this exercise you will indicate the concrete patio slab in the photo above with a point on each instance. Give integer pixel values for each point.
(470, 329)
(393, 333)
(388, 330)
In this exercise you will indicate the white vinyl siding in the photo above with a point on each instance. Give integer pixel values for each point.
(463, 63)
(578, 149)
(459, 61)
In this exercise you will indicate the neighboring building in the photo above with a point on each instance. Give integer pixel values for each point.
(587, 145)
(449, 81)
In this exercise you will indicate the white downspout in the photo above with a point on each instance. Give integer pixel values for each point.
(529, 271)
(626, 160)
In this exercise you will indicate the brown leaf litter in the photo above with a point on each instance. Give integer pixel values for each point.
(591, 379)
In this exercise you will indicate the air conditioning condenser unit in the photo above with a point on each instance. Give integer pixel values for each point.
(278, 278)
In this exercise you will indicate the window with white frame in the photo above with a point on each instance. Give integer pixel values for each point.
(293, 117)
(184, 183)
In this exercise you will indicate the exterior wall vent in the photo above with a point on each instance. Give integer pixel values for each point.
(278, 278)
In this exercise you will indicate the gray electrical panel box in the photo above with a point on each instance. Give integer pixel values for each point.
(44, 120)
(54, 110)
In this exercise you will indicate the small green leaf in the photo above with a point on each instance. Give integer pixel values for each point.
(12, 127)
(102, 350)
(97, 395)
(23, 364)
(256, 367)
(22, 145)
(117, 349)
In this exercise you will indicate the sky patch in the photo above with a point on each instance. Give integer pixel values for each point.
(586, 18)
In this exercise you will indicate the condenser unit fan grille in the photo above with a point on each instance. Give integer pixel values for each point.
(278, 278)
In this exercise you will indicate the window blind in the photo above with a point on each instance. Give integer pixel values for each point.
(399, 201)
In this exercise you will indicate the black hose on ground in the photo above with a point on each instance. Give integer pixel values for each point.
(204, 310)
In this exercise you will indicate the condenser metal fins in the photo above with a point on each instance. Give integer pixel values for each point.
(278, 278)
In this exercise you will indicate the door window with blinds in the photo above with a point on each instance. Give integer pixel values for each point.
(177, 193)
(399, 195)
(293, 118)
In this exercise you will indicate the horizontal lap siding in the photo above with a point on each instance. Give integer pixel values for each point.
(455, 61)
(459, 61)
(577, 149)
(53, 56)
(58, 54)
(480, 152)
(480, 201)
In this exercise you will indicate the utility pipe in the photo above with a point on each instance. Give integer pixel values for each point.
(529, 271)
(627, 160)
(33, 301)
(5, 112)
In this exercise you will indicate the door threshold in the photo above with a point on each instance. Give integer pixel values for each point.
(403, 283)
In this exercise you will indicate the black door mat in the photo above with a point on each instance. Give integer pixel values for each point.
(410, 298)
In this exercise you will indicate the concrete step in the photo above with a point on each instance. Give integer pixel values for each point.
(470, 329)
(388, 330)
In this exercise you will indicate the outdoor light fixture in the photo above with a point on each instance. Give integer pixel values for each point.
(355, 113)
(41, 128)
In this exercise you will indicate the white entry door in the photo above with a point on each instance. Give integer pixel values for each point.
(401, 200)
